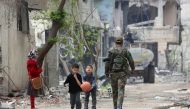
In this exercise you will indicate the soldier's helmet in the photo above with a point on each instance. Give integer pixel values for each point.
(119, 40)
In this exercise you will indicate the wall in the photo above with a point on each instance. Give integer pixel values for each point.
(185, 16)
(15, 47)
(170, 16)
(162, 35)
(158, 34)
(51, 70)
(88, 14)
(37, 4)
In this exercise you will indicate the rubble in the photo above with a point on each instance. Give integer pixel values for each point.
(60, 91)
(7, 103)
(171, 78)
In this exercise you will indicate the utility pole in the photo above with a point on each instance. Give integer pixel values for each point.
(181, 62)
(105, 40)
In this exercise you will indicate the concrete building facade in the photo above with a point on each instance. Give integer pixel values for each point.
(152, 21)
(15, 45)
(16, 40)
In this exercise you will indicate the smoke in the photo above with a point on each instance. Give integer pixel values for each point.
(105, 9)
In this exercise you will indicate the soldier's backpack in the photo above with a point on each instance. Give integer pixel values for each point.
(118, 61)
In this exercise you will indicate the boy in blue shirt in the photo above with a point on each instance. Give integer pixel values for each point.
(89, 77)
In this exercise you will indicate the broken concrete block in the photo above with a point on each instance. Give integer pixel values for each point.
(7, 104)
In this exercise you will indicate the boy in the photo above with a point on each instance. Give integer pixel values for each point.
(89, 77)
(74, 80)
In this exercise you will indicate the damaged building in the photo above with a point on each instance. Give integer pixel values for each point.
(16, 40)
(155, 21)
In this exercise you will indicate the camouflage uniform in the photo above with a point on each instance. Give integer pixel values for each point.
(117, 68)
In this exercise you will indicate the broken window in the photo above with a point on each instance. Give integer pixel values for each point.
(116, 5)
(85, 1)
(141, 13)
(23, 17)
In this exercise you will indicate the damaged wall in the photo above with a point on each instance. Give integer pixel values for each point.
(143, 13)
(163, 28)
(15, 47)
(170, 16)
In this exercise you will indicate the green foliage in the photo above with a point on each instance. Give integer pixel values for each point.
(41, 15)
(77, 46)
(73, 2)
(67, 23)
(63, 40)
(58, 15)
(91, 35)
(53, 40)
(71, 36)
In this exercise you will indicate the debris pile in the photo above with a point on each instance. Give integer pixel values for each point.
(7, 103)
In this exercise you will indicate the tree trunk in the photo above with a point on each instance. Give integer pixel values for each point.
(53, 33)
(48, 45)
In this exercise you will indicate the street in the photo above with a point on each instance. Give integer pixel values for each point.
(58, 45)
(138, 96)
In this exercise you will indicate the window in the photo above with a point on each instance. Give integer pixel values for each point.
(23, 18)
(85, 1)
(116, 5)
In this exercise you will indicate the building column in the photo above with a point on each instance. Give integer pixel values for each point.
(162, 55)
(159, 18)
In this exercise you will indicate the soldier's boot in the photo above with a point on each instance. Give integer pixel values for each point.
(119, 107)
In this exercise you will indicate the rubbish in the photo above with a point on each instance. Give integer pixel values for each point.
(174, 99)
(183, 90)
(50, 96)
(159, 97)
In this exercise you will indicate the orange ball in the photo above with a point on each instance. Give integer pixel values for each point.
(86, 86)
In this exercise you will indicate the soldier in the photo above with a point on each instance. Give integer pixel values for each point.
(117, 67)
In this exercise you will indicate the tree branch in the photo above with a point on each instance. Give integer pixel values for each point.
(89, 15)
(82, 34)
(48, 45)
(61, 5)
(52, 34)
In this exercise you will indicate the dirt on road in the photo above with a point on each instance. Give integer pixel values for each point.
(137, 96)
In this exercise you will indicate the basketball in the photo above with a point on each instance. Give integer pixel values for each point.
(85, 86)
